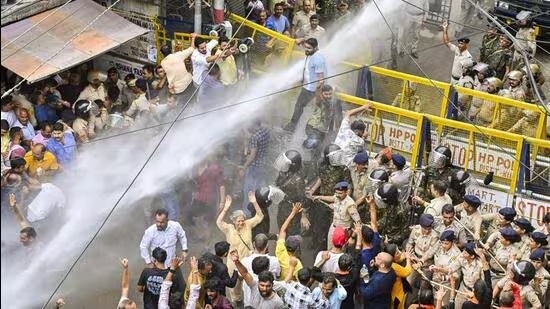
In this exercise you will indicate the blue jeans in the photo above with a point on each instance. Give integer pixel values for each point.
(254, 178)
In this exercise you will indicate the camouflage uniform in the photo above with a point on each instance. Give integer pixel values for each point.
(411, 102)
(489, 44)
(499, 60)
(294, 186)
(321, 216)
(394, 223)
(432, 174)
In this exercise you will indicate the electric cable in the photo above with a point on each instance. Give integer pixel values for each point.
(241, 102)
(33, 26)
(466, 25)
(136, 176)
(489, 138)
(60, 50)
(539, 102)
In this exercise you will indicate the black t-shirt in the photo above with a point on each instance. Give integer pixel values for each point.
(151, 279)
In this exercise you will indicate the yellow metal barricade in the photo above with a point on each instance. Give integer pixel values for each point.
(539, 178)
(270, 48)
(409, 91)
(390, 126)
(480, 150)
(502, 113)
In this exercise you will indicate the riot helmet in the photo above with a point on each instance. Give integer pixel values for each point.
(386, 195)
(495, 83)
(523, 271)
(440, 157)
(262, 197)
(377, 177)
(535, 69)
(334, 155)
(460, 180)
(82, 108)
(515, 75)
(482, 68)
(290, 161)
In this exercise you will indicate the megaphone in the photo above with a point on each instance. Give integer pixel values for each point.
(217, 31)
(244, 45)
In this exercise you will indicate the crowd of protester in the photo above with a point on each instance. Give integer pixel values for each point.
(377, 242)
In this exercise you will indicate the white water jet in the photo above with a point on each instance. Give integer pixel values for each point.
(106, 168)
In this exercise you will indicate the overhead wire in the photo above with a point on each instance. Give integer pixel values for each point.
(9, 91)
(489, 138)
(136, 176)
(34, 26)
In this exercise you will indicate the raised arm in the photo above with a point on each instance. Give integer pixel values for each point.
(219, 221)
(247, 277)
(373, 214)
(23, 223)
(125, 284)
(357, 110)
(445, 26)
(167, 283)
(259, 214)
(296, 208)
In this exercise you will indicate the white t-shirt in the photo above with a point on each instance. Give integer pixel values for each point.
(49, 198)
(199, 61)
(10, 117)
(331, 265)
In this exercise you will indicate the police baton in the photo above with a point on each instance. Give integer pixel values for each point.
(433, 283)
(320, 201)
(483, 244)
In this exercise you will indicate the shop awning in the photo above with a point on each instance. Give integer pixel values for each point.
(28, 52)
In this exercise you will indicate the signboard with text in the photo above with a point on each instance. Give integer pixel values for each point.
(492, 199)
(106, 61)
(533, 210)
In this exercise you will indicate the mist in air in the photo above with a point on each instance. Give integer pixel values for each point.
(106, 168)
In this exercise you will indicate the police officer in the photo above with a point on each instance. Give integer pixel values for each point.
(345, 211)
(470, 218)
(524, 229)
(331, 170)
(503, 219)
(447, 253)
(408, 99)
(423, 240)
(439, 168)
(263, 200)
(539, 81)
(401, 176)
(471, 267)
(501, 59)
(292, 182)
(395, 219)
(460, 180)
(525, 39)
(359, 174)
(540, 282)
(523, 272)
(515, 79)
(482, 111)
(504, 250)
(447, 223)
(482, 71)
(489, 42)
(536, 241)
